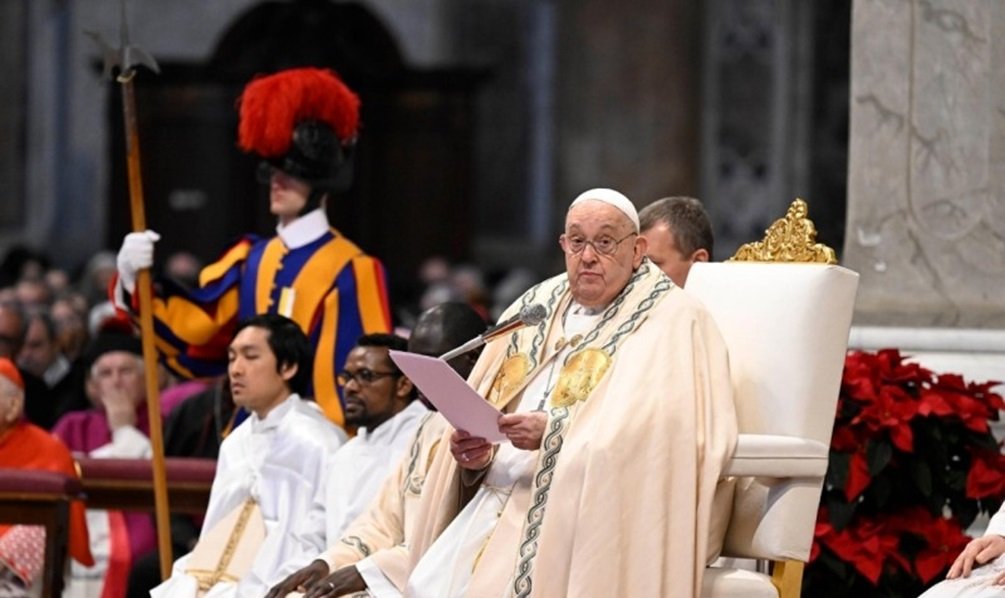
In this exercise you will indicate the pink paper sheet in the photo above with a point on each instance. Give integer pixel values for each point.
(464, 408)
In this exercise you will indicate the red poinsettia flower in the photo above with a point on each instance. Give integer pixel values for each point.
(883, 398)
(847, 439)
(987, 475)
(945, 542)
(858, 476)
(982, 392)
(865, 544)
(934, 402)
(944, 539)
(893, 411)
(972, 411)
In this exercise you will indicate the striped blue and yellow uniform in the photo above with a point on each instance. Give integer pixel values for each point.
(334, 291)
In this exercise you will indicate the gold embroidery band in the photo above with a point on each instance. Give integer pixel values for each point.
(510, 376)
(208, 579)
(579, 376)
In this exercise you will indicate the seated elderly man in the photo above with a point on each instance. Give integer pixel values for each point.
(979, 571)
(116, 427)
(370, 555)
(619, 414)
(268, 470)
(26, 446)
(42, 357)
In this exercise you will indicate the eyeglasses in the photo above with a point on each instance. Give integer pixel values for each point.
(362, 377)
(604, 245)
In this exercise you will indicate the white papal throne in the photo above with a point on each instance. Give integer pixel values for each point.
(784, 309)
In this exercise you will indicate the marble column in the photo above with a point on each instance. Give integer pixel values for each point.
(926, 184)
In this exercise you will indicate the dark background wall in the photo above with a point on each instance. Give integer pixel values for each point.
(483, 118)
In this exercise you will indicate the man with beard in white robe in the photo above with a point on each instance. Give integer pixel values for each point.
(380, 402)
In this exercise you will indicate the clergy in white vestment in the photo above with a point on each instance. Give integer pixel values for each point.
(619, 413)
(268, 468)
(370, 555)
(381, 403)
(979, 571)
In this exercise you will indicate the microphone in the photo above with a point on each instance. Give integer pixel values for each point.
(530, 315)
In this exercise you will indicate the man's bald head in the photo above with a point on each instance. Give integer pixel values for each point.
(443, 327)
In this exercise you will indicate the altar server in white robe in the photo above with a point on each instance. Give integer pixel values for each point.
(381, 403)
(268, 469)
(979, 571)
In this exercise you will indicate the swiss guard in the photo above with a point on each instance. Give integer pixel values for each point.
(303, 123)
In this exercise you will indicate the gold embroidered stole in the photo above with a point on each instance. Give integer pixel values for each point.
(532, 348)
(227, 551)
(582, 370)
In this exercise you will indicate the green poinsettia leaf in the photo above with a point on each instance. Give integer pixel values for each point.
(880, 489)
(878, 454)
(841, 513)
(984, 441)
(837, 469)
(965, 512)
(922, 476)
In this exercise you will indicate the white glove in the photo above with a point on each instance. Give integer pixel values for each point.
(137, 252)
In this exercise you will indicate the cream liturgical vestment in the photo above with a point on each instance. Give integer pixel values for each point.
(980, 582)
(619, 498)
(375, 541)
(268, 469)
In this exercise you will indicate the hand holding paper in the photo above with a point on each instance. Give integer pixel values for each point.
(464, 408)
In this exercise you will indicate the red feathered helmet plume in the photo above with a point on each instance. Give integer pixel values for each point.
(303, 121)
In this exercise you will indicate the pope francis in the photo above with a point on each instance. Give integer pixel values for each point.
(619, 414)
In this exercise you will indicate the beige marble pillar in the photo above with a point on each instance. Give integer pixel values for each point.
(926, 181)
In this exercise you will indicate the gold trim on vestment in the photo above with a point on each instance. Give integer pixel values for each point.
(508, 379)
(208, 579)
(579, 376)
(790, 239)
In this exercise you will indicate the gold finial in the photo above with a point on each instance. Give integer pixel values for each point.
(789, 239)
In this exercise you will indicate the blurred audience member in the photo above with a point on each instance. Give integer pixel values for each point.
(469, 283)
(20, 263)
(434, 270)
(510, 287)
(98, 274)
(116, 428)
(40, 356)
(58, 280)
(13, 328)
(437, 293)
(33, 292)
(69, 314)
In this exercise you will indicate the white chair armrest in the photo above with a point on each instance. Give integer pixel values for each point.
(773, 456)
